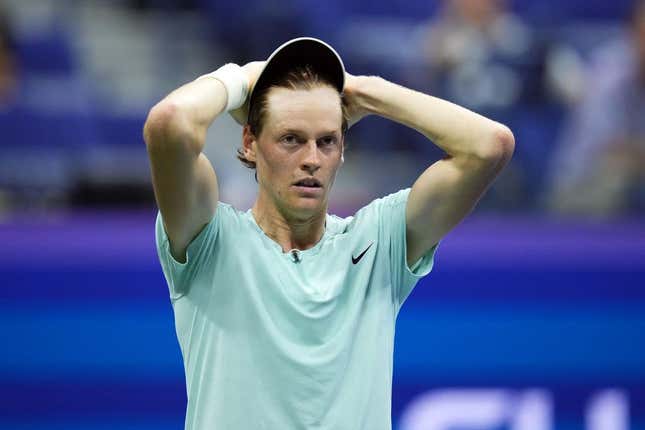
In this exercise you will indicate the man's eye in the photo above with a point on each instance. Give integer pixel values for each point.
(290, 139)
(329, 140)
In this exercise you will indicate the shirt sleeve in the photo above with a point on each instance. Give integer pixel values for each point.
(393, 230)
(180, 276)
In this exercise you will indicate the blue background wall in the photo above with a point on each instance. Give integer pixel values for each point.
(88, 337)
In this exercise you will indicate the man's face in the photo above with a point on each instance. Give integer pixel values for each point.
(299, 149)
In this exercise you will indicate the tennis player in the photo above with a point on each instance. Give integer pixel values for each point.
(285, 313)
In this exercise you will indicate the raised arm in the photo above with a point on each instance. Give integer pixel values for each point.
(184, 181)
(476, 147)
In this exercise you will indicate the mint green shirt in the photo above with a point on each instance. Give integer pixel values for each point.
(273, 340)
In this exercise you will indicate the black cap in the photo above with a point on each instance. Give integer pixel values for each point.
(302, 51)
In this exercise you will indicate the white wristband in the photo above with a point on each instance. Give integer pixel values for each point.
(235, 81)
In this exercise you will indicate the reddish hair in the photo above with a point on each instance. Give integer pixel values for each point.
(300, 78)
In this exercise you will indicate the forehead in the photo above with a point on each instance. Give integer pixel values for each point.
(311, 110)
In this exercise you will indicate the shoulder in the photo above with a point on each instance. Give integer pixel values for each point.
(227, 212)
(371, 213)
(226, 217)
(381, 204)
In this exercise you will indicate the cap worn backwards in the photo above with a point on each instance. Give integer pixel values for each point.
(302, 51)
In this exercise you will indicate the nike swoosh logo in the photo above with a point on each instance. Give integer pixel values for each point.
(357, 259)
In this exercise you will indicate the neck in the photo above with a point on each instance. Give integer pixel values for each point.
(290, 232)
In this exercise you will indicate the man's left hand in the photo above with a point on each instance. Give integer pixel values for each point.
(354, 107)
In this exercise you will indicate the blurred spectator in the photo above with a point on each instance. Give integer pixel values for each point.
(599, 167)
(8, 67)
(481, 55)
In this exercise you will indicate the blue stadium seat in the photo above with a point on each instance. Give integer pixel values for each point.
(46, 53)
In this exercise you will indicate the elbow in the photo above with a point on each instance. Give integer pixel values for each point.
(499, 146)
(166, 124)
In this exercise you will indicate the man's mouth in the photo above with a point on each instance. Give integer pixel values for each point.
(309, 183)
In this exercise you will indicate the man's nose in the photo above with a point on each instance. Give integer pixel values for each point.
(311, 160)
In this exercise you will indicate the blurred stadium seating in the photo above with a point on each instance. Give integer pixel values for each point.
(89, 71)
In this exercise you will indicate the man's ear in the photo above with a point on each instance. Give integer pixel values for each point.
(248, 143)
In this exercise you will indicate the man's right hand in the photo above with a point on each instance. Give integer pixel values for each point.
(252, 71)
